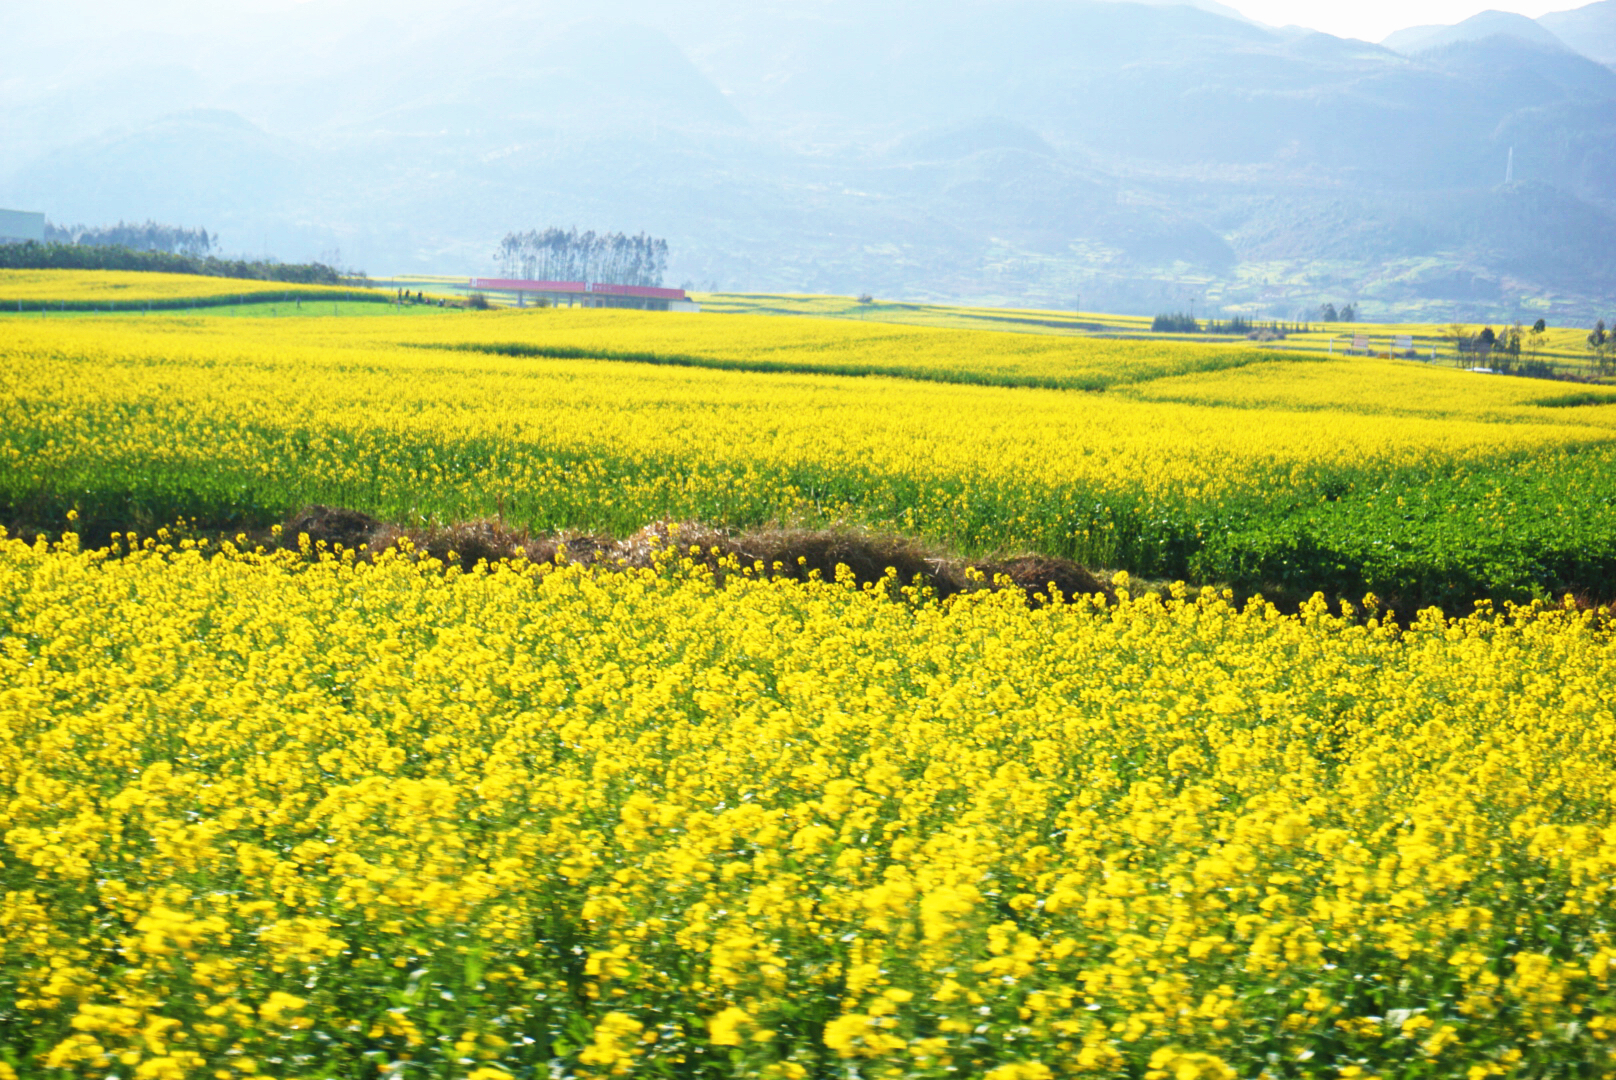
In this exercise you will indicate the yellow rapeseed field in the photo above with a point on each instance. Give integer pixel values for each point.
(129, 286)
(1220, 464)
(764, 343)
(1021, 320)
(1564, 347)
(1367, 387)
(295, 816)
(366, 412)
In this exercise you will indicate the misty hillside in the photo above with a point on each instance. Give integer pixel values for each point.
(1590, 30)
(1037, 152)
(1483, 25)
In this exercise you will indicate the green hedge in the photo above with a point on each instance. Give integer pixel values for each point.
(33, 255)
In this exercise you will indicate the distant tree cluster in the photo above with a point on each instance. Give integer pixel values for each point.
(1484, 343)
(1176, 323)
(1234, 325)
(1237, 325)
(1346, 313)
(1603, 343)
(569, 255)
(36, 256)
(152, 236)
(1510, 351)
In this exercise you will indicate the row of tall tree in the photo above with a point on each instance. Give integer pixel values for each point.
(150, 236)
(569, 255)
(1236, 325)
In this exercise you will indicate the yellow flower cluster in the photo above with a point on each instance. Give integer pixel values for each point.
(301, 816)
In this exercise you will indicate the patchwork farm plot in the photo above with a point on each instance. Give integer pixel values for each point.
(307, 812)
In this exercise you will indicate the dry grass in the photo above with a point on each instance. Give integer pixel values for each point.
(792, 553)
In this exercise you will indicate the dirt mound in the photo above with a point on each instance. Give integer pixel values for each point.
(1036, 573)
(469, 543)
(332, 525)
(800, 554)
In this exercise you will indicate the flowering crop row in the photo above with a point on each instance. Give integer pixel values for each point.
(272, 816)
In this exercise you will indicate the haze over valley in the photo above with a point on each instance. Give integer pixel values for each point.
(1113, 156)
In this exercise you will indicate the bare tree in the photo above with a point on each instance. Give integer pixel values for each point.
(567, 255)
(152, 236)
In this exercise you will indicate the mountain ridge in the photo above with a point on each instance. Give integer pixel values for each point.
(1019, 151)
(1590, 29)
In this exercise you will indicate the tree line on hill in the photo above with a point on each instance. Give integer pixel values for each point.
(150, 236)
(152, 247)
(33, 255)
(567, 255)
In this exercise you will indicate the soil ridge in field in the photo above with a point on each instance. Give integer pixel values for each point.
(800, 554)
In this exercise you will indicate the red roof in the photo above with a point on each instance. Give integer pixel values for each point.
(581, 287)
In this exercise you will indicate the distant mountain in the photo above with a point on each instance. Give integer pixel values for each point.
(1407, 39)
(1205, 5)
(1591, 30)
(1484, 25)
(1527, 70)
(963, 140)
(204, 164)
(1036, 152)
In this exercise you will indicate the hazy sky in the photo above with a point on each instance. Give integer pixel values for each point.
(1372, 20)
(1369, 20)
